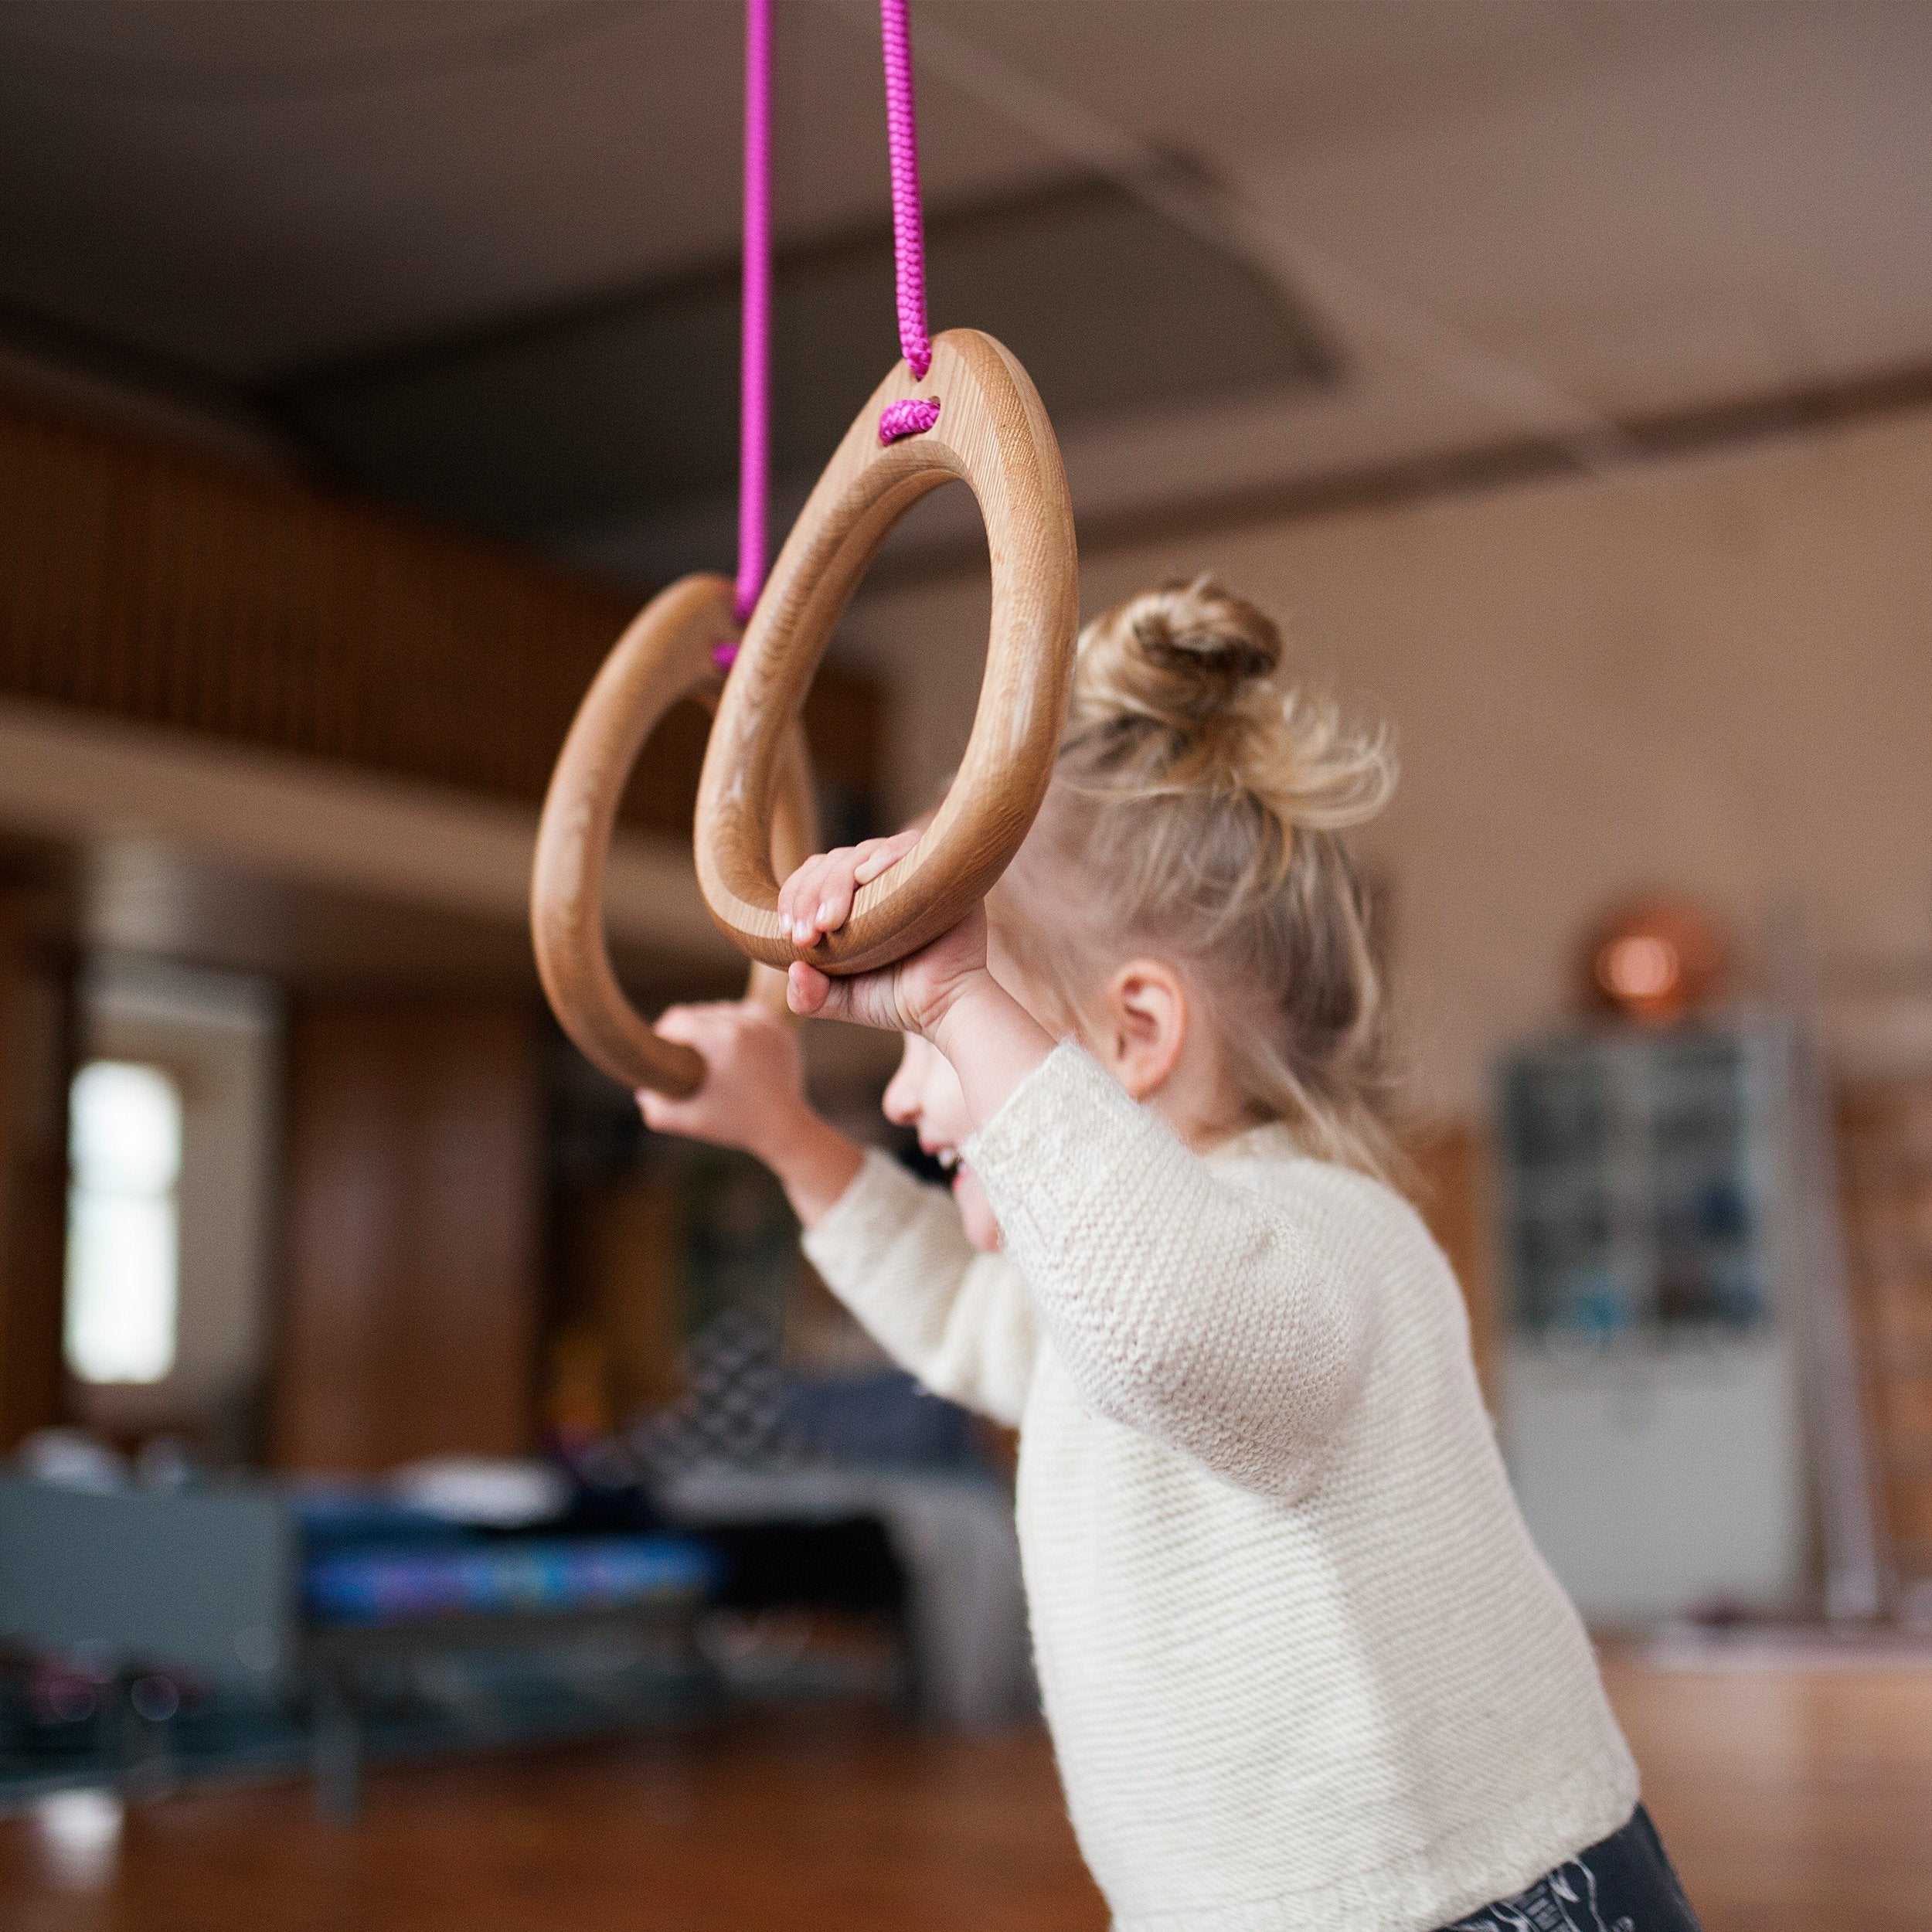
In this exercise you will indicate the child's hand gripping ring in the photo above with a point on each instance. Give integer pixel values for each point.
(666, 655)
(992, 431)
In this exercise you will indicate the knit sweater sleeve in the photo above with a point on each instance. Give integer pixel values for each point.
(894, 1251)
(1233, 1324)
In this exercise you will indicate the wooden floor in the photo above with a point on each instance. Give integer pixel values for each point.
(1795, 1800)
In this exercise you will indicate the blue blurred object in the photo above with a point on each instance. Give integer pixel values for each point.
(882, 1420)
(401, 1583)
(331, 1516)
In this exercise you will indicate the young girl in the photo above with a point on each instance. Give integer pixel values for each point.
(1302, 1665)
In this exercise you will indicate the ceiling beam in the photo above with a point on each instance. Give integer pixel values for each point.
(1702, 429)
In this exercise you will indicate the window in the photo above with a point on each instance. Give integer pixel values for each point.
(123, 1222)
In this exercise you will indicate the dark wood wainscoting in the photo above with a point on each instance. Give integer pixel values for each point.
(36, 1061)
(411, 1278)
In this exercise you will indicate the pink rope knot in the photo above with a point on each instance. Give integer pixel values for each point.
(912, 416)
(724, 655)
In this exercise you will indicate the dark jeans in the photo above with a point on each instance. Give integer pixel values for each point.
(1625, 1884)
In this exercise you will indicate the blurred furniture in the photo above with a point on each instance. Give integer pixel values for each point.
(952, 1533)
(1652, 1405)
(1885, 1154)
(411, 1281)
(773, 1464)
(319, 1601)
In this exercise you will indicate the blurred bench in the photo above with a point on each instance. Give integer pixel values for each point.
(222, 1585)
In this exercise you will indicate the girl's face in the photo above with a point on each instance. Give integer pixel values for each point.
(924, 1094)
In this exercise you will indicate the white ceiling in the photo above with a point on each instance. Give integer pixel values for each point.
(1639, 205)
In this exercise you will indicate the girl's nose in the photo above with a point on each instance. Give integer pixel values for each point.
(899, 1103)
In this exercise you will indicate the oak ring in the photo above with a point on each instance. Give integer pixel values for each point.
(991, 433)
(663, 655)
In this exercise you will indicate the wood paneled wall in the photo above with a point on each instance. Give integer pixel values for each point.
(1451, 1163)
(1885, 1158)
(36, 1036)
(168, 587)
(411, 1288)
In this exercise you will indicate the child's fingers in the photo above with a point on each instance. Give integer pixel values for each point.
(787, 893)
(843, 871)
(797, 898)
(874, 999)
(810, 992)
(877, 855)
(683, 1024)
(829, 888)
(866, 999)
(835, 890)
(821, 895)
(661, 1114)
(817, 897)
(715, 1031)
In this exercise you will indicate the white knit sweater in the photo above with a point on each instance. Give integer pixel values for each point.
(1303, 1667)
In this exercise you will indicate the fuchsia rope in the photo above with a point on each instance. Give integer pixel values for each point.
(754, 339)
(902, 137)
(908, 417)
(915, 413)
(755, 374)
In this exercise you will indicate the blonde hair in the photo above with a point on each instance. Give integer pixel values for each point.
(1195, 807)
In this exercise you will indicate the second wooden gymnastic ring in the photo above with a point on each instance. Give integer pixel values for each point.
(665, 655)
(992, 433)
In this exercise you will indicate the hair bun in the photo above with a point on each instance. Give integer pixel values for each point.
(1194, 810)
(1178, 689)
(1179, 653)
(1198, 634)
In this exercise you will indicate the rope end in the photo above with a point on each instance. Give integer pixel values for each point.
(912, 417)
(725, 654)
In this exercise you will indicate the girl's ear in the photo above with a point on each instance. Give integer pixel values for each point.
(1143, 1024)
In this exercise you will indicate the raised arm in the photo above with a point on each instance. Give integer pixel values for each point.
(1234, 1327)
(1234, 1324)
(894, 1252)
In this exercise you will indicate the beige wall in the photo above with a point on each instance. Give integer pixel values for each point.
(1714, 674)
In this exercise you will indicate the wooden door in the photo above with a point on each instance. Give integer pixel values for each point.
(37, 986)
(410, 1283)
(1449, 1162)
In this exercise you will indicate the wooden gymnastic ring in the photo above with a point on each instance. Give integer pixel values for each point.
(664, 655)
(992, 433)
